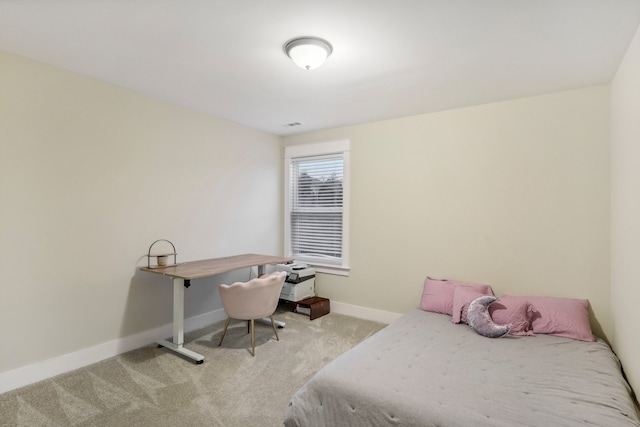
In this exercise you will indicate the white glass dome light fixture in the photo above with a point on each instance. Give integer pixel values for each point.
(308, 52)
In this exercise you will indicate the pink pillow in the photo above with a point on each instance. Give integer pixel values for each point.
(515, 310)
(437, 295)
(564, 317)
(462, 297)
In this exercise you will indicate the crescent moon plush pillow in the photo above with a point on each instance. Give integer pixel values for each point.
(480, 321)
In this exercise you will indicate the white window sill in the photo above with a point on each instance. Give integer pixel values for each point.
(338, 271)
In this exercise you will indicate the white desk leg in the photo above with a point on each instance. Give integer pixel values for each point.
(178, 324)
(266, 320)
(279, 324)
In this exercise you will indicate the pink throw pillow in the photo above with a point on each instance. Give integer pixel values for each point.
(515, 310)
(462, 297)
(564, 317)
(437, 295)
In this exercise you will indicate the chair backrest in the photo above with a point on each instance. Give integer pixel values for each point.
(254, 299)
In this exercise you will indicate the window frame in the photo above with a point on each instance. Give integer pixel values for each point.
(291, 152)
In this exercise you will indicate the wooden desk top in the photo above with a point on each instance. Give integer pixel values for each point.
(211, 267)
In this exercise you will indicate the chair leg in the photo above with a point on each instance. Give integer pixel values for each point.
(273, 325)
(253, 338)
(226, 324)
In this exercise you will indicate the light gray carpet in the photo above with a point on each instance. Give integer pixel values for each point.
(153, 387)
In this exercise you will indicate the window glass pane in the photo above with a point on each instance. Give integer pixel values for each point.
(318, 183)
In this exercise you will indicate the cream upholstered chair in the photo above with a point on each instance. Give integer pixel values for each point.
(252, 300)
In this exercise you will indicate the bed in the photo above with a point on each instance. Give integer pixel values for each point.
(424, 370)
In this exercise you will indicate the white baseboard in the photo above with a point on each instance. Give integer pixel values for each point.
(363, 312)
(39, 371)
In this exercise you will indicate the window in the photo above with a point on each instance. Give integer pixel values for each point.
(317, 205)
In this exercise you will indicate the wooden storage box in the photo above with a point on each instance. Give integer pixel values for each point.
(314, 307)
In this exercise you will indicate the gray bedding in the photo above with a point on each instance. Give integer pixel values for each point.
(423, 370)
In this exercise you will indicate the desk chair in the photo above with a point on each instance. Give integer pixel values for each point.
(252, 300)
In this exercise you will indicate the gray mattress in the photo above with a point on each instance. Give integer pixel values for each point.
(423, 370)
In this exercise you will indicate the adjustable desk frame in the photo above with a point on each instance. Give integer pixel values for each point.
(182, 275)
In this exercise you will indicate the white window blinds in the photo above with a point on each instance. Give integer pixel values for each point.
(316, 209)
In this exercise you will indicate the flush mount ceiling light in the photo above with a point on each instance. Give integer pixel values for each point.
(308, 52)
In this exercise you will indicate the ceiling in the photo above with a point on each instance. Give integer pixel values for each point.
(391, 58)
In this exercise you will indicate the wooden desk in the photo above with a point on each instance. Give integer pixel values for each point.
(182, 275)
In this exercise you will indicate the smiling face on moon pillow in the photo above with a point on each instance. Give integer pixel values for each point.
(480, 321)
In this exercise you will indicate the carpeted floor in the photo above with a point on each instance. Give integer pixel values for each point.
(153, 387)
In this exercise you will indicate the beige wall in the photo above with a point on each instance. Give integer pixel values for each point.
(625, 211)
(90, 176)
(514, 194)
